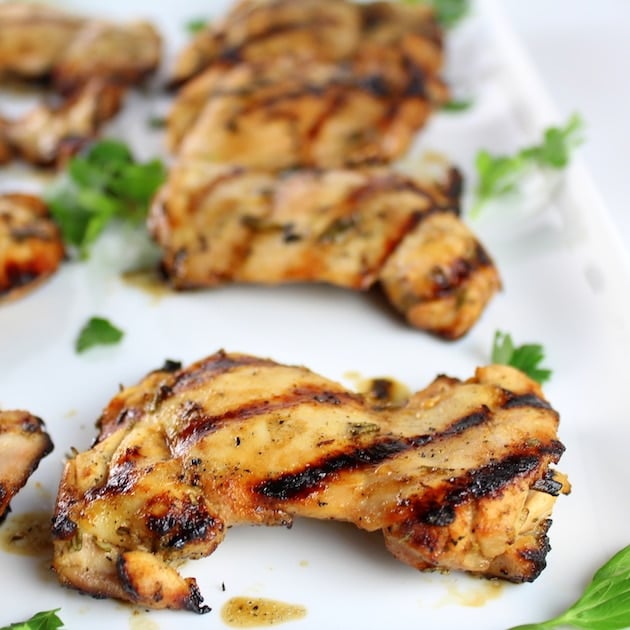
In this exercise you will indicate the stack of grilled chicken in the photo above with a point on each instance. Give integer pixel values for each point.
(288, 118)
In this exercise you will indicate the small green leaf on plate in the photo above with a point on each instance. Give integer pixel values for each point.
(196, 25)
(45, 620)
(455, 106)
(97, 331)
(448, 12)
(604, 604)
(498, 175)
(526, 357)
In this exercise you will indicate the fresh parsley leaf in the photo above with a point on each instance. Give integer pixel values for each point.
(457, 106)
(197, 24)
(102, 185)
(604, 604)
(46, 620)
(448, 12)
(526, 358)
(97, 331)
(500, 175)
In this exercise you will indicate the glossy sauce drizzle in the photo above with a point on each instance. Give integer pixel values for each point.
(248, 612)
(27, 534)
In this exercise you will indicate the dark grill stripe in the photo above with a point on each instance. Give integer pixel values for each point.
(525, 400)
(300, 483)
(447, 281)
(437, 506)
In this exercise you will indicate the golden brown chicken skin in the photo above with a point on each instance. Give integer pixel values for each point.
(354, 228)
(458, 476)
(42, 42)
(287, 115)
(49, 134)
(33, 37)
(323, 84)
(122, 54)
(31, 248)
(310, 30)
(89, 64)
(23, 443)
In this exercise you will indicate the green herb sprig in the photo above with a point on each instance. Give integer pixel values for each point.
(604, 604)
(100, 186)
(97, 332)
(456, 106)
(448, 12)
(46, 620)
(196, 25)
(526, 357)
(500, 175)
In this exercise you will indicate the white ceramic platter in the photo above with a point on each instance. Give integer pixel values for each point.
(566, 285)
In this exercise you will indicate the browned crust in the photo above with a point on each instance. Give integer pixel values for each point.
(23, 443)
(31, 248)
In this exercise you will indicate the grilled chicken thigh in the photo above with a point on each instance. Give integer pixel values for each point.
(49, 134)
(310, 30)
(31, 248)
(351, 228)
(23, 443)
(280, 105)
(458, 476)
(123, 54)
(41, 42)
(89, 63)
(33, 38)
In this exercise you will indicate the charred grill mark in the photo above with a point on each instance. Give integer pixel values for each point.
(121, 480)
(536, 556)
(63, 527)
(317, 127)
(198, 424)
(453, 188)
(548, 484)
(180, 522)
(192, 600)
(525, 400)
(447, 281)
(437, 505)
(196, 200)
(168, 366)
(469, 421)
(20, 275)
(301, 483)
(416, 84)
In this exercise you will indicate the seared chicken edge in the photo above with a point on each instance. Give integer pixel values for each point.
(459, 476)
(23, 443)
(353, 228)
(31, 247)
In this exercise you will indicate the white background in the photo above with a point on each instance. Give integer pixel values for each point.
(581, 50)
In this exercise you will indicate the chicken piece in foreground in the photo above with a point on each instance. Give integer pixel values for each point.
(23, 443)
(31, 248)
(457, 477)
(354, 228)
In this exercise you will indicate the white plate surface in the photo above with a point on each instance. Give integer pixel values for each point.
(566, 281)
